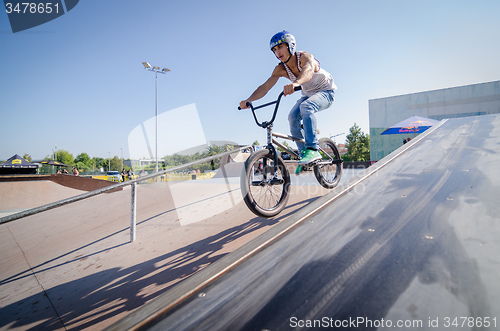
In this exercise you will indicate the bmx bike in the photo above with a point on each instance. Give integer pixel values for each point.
(265, 180)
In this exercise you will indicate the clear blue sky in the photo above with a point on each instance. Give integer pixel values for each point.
(77, 81)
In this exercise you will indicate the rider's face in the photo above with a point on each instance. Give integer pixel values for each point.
(281, 51)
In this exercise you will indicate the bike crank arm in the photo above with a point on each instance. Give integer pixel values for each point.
(274, 181)
(328, 162)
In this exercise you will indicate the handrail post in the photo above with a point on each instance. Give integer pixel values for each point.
(133, 212)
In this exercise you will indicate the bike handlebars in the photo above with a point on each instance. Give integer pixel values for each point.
(277, 102)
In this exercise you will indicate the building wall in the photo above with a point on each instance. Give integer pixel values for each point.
(462, 101)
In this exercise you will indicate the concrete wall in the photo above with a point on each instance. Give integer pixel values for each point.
(463, 101)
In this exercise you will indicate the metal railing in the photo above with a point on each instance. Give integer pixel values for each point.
(133, 183)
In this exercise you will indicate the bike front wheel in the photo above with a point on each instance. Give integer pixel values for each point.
(265, 188)
(329, 170)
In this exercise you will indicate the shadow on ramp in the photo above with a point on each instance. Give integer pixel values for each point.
(414, 243)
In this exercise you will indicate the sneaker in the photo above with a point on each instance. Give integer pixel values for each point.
(299, 170)
(309, 157)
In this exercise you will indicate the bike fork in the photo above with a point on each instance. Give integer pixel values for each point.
(271, 148)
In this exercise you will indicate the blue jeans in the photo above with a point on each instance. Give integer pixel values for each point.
(303, 111)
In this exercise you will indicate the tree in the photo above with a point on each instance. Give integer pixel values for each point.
(82, 166)
(85, 159)
(116, 163)
(98, 163)
(177, 160)
(214, 150)
(286, 145)
(65, 157)
(358, 144)
(27, 157)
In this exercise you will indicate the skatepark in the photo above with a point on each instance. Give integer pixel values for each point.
(65, 263)
(412, 238)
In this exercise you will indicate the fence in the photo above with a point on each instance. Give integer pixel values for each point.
(164, 178)
(133, 183)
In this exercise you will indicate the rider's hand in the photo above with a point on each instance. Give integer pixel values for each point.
(243, 104)
(289, 89)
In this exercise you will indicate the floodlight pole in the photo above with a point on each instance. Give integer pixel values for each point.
(156, 120)
(156, 70)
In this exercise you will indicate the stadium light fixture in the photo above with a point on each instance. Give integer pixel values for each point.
(156, 70)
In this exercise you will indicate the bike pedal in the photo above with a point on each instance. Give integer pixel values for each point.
(277, 181)
(312, 164)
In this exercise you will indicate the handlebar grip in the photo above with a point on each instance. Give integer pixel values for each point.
(248, 105)
(297, 88)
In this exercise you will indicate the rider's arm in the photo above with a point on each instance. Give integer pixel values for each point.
(309, 67)
(261, 91)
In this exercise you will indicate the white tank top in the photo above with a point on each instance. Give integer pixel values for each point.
(320, 81)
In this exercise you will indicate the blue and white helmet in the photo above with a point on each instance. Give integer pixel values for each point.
(284, 37)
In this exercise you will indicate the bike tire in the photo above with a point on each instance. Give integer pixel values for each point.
(262, 197)
(328, 175)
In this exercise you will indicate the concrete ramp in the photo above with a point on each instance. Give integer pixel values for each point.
(21, 195)
(232, 169)
(240, 157)
(21, 192)
(411, 243)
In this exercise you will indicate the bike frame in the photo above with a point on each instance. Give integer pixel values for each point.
(269, 127)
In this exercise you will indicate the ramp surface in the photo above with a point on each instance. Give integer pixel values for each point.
(413, 245)
(18, 196)
(232, 169)
(74, 268)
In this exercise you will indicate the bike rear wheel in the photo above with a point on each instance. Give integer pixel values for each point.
(328, 171)
(265, 192)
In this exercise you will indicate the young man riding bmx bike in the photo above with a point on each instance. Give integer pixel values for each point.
(317, 92)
